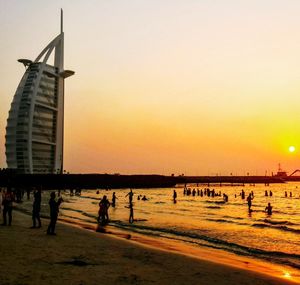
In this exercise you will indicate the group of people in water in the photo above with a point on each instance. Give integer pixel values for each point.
(104, 205)
(8, 197)
(203, 192)
(212, 193)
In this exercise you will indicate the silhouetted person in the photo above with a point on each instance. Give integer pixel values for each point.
(174, 196)
(144, 198)
(54, 209)
(130, 194)
(208, 192)
(266, 193)
(243, 194)
(271, 194)
(103, 210)
(36, 208)
(213, 193)
(291, 194)
(269, 209)
(249, 201)
(113, 200)
(7, 202)
(225, 197)
(285, 194)
(130, 213)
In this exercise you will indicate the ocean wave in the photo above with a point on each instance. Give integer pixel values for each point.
(281, 228)
(215, 202)
(234, 218)
(226, 221)
(221, 221)
(204, 240)
(274, 222)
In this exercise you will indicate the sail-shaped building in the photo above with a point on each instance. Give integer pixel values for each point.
(35, 125)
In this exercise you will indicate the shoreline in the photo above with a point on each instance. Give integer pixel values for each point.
(217, 256)
(78, 256)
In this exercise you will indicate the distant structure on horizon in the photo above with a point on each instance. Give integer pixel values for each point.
(35, 124)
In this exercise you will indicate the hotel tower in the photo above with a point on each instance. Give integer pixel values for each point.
(35, 124)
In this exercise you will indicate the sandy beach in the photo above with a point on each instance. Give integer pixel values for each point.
(78, 256)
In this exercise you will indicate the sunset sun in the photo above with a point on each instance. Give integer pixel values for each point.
(292, 148)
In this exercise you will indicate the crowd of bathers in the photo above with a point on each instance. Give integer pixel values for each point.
(9, 196)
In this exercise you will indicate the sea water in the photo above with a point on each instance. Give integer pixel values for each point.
(202, 221)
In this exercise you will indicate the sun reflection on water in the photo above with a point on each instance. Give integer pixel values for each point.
(287, 275)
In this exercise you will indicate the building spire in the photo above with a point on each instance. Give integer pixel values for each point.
(61, 20)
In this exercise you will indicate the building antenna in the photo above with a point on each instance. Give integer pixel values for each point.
(61, 20)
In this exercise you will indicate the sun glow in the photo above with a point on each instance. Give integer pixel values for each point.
(287, 275)
(292, 148)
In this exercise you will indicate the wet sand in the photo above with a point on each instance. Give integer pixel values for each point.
(77, 256)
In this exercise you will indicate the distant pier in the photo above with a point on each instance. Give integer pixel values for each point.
(230, 180)
(115, 181)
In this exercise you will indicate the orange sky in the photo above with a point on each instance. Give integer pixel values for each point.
(194, 87)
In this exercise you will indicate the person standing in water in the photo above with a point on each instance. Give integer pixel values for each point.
(269, 209)
(243, 194)
(103, 210)
(54, 209)
(174, 196)
(130, 195)
(249, 201)
(113, 200)
(131, 213)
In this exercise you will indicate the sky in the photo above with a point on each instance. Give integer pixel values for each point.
(194, 87)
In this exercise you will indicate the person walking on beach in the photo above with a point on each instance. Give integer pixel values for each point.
(36, 208)
(54, 209)
(130, 195)
(7, 202)
(103, 210)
